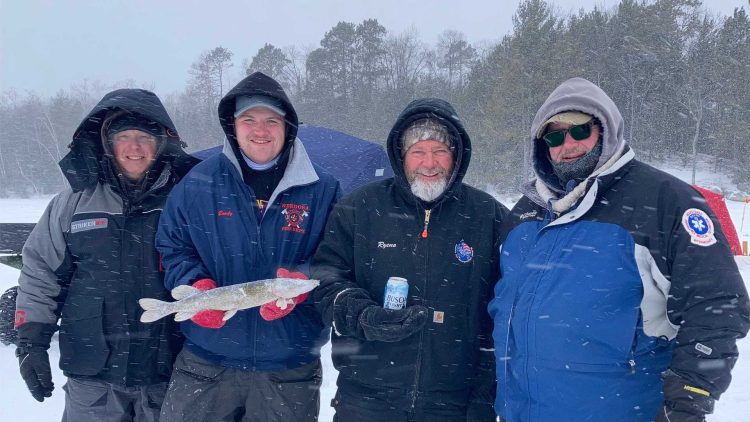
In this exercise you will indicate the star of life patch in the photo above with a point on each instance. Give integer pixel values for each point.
(699, 226)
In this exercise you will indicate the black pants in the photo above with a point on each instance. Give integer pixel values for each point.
(353, 409)
(202, 391)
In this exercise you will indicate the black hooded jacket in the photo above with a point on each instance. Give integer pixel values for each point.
(92, 256)
(375, 233)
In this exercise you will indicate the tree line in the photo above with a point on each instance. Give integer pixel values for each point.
(678, 73)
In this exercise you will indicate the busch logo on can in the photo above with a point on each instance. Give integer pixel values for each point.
(395, 293)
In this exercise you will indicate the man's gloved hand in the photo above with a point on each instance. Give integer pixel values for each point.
(391, 325)
(683, 402)
(210, 318)
(33, 360)
(271, 310)
(667, 415)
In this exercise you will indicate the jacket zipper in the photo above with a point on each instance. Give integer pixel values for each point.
(425, 233)
(631, 356)
(415, 393)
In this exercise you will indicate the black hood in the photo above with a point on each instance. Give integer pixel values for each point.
(443, 112)
(82, 166)
(256, 84)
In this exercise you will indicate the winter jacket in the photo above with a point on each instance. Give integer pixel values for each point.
(92, 256)
(607, 286)
(211, 228)
(376, 233)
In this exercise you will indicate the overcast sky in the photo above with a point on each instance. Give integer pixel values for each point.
(49, 45)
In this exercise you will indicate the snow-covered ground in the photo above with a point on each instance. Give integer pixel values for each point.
(17, 405)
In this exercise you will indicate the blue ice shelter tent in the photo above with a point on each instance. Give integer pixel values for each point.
(351, 160)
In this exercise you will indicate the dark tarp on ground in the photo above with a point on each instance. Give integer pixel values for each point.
(351, 160)
(13, 236)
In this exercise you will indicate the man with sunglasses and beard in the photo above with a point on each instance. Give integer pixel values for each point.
(619, 298)
(430, 360)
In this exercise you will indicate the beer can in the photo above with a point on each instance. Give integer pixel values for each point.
(396, 291)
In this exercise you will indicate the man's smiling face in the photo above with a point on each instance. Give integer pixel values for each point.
(134, 152)
(571, 150)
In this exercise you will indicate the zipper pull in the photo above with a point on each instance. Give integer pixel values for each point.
(631, 364)
(426, 222)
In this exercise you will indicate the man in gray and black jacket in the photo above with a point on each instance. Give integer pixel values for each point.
(92, 256)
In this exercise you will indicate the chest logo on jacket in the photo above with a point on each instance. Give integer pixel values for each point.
(295, 215)
(699, 226)
(89, 224)
(464, 252)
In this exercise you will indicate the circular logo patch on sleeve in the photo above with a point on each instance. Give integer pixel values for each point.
(699, 226)
(464, 252)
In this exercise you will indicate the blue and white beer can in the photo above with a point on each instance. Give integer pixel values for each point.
(396, 291)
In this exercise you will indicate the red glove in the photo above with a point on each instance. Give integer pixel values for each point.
(209, 318)
(271, 311)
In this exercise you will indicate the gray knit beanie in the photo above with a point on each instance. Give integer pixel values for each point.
(424, 129)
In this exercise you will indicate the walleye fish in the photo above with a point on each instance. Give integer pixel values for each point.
(231, 299)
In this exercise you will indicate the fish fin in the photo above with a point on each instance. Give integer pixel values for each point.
(181, 292)
(228, 314)
(183, 316)
(155, 309)
(282, 303)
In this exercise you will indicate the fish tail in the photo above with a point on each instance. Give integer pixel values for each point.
(155, 309)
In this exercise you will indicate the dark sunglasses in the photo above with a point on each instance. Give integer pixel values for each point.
(578, 132)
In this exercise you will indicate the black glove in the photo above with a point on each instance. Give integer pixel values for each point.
(391, 325)
(667, 415)
(35, 370)
(682, 401)
(33, 360)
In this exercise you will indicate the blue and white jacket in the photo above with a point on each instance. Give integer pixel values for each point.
(606, 286)
(211, 228)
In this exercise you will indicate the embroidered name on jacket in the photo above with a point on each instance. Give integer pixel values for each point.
(383, 245)
(90, 224)
(295, 215)
(527, 215)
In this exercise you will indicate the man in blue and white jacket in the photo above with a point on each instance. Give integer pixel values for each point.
(619, 299)
(254, 211)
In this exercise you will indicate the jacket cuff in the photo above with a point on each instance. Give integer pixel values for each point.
(681, 396)
(35, 334)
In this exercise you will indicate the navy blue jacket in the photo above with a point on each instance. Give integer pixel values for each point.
(211, 228)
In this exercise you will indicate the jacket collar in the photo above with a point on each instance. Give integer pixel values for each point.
(300, 170)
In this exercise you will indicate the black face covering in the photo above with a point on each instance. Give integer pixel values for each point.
(579, 169)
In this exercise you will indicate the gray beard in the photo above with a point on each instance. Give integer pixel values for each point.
(428, 191)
